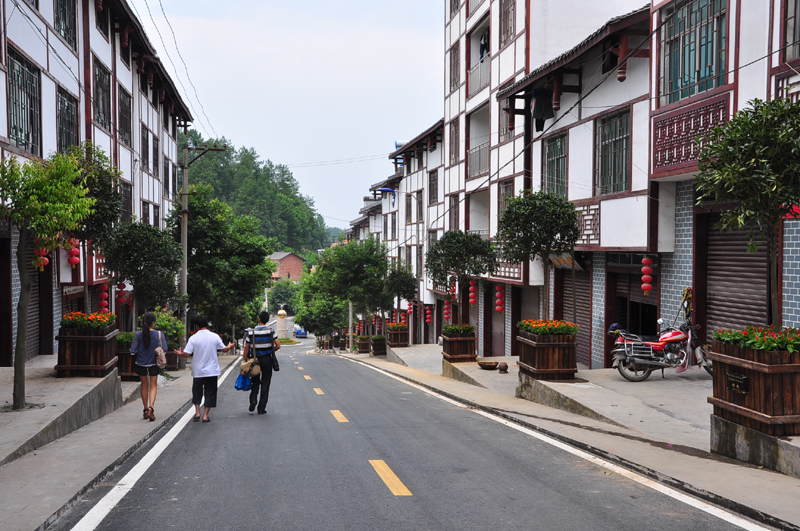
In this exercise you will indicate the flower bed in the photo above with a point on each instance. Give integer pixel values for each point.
(547, 349)
(398, 334)
(125, 360)
(377, 345)
(87, 345)
(458, 330)
(757, 378)
(458, 343)
(363, 344)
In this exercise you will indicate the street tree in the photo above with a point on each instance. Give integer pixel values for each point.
(318, 311)
(752, 163)
(401, 282)
(536, 225)
(43, 200)
(461, 255)
(101, 177)
(148, 258)
(229, 262)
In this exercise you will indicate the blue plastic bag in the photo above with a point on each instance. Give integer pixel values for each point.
(243, 383)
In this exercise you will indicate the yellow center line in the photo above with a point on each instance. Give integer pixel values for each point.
(318, 391)
(389, 477)
(297, 363)
(300, 368)
(307, 377)
(338, 415)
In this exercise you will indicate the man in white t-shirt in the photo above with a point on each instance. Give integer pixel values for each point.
(204, 344)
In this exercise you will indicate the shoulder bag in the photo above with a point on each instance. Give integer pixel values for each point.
(161, 358)
(250, 366)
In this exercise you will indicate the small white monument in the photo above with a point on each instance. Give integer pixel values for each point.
(281, 328)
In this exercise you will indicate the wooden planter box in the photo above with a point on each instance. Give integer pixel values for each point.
(363, 346)
(459, 347)
(398, 338)
(125, 363)
(547, 357)
(86, 352)
(335, 342)
(377, 347)
(759, 389)
(326, 344)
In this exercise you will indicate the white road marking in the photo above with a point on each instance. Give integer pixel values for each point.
(95, 516)
(633, 476)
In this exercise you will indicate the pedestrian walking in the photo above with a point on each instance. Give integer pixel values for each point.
(261, 343)
(204, 344)
(144, 347)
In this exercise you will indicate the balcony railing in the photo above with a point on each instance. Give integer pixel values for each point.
(478, 160)
(483, 233)
(479, 76)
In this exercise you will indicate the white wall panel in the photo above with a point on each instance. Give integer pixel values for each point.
(640, 121)
(27, 39)
(666, 217)
(48, 116)
(581, 166)
(755, 26)
(623, 222)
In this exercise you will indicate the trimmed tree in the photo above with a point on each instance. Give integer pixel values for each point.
(536, 225)
(401, 282)
(319, 312)
(459, 254)
(753, 163)
(43, 200)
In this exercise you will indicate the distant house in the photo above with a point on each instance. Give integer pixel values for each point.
(290, 266)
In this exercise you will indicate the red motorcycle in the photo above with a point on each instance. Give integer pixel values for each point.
(635, 358)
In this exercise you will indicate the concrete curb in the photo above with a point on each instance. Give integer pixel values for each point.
(664, 479)
(121, 459)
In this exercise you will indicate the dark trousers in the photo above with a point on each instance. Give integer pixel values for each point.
(205, 387)
(262, 381)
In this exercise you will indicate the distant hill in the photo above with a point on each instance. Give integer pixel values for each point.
(332, 235)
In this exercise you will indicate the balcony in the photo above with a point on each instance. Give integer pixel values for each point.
(483, 233)
(478, 160)
(478, 77)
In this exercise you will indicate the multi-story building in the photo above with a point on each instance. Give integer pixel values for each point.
(72, 71)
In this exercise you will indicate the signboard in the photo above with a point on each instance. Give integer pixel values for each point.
(737, 383)
(564, 261)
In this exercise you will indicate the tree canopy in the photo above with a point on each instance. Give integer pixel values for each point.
(752, 162)
(318, 311)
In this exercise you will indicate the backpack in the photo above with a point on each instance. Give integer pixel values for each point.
(261, 341)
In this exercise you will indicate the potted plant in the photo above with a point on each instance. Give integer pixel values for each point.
(363, 344)
(87, 345)
(458, 343)
(125, 360)
(398, 334)
(377, 345)
(757, 378)
(547, 349)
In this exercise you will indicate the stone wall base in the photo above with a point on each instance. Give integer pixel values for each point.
(541, 392)
(451, 370)
(744, 444)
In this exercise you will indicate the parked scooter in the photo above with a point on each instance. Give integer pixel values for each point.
(636, 358)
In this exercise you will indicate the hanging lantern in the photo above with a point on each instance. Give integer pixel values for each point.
(647, 271)
(473, 293)
(41, 261)
(500, 298)
(428, 315)
(104, 310)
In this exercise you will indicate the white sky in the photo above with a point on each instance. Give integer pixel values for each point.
(306, 81)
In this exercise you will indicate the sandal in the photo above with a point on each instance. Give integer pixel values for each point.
(196, 419)
(151, 415)
(146, 414)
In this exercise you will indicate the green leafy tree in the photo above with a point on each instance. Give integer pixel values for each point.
(283, 292)
(147, 257)
(460, 255)
(536, 225)
(401, 282)
(318, 311)
(753, 163)
(101, 177)
(43, 200)
(229, 262)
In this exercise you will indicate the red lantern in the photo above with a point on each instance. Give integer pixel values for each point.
(103, 304)
(647, 261)
(499, 309)
(501, 295)
(103, 310)
(646, 275)
(647, 288)
(501, 302)
(121, 286)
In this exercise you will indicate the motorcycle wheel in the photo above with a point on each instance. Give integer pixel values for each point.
(702, 350)
(632, 372)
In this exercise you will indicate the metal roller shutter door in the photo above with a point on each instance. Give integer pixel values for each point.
(737, 281)
(583, 310)
(529, 308)
(32, 341)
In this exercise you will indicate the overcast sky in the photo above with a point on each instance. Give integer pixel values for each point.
(310, 81)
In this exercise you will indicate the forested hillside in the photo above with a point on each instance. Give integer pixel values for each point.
(262, 189)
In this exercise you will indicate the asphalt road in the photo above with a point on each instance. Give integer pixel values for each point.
(301, 466)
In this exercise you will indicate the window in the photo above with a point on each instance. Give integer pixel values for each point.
(692, 48)
(394, 225)
(386, 226)
(420, 208)
(433, 237)
(407, 163)
(65, 20)
(101, 19)
(505, 191)
(507, 19)
(408, 257)
(125, 55)
(792, 37)
(455, 142)
(554, 165)
(156, 154)
(24, 104)
(612, 138)
(125, 126)
(408, 209)
(166, 178)
(419, 159)
(145, 212)
(156, 216)
(144, 156)
(67, 120)
(454, 7)
(34, 3)
(102, 95)
(506, 108)
(455, 68)
(143, 85)
(127, 201)
(453, 213)
(433, 187)
(175, 181)
(419, 260)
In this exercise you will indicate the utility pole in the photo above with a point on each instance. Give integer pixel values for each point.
(185, 221)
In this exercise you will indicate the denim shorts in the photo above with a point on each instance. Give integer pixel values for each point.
(141, 370)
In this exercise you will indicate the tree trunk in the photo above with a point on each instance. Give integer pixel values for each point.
(22, 321)
(546, 290)
(774, 261)
(87, 301)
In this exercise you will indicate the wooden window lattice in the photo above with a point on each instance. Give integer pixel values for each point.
(125, 125)
(102, 95)
(589, 223)
(65, 22)
(554, 165)
(612, 168)
(67, 120)
(24, 103)
(675, 135)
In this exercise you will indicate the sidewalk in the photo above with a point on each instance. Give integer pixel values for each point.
(39, 486)
(660, 427)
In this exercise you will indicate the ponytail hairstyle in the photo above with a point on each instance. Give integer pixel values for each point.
(148, 320)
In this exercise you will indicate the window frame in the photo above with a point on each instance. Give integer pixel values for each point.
(146, 212)
(420, 207)
(455, 66)
(455, 141)
(126, 190)
(31, 106)
(101, 106)
(791, 25)
(508, 22)
(157, 216)
(66, 26)
(617, 186)
(125, 119)
(144, 155)
(433, 187)
(558, 162)
(66, 136)
(409, 217)
(453, 211)
(156, 158)
(98, 18)
(505, 190)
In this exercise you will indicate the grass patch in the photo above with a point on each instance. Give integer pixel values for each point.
(287, 341)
